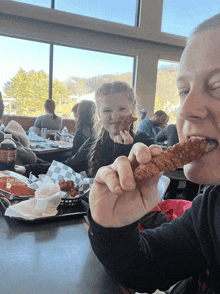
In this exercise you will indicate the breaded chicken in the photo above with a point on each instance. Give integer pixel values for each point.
(174, 157)
(127, 121)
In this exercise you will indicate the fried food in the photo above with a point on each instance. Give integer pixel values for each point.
(68, 187)
(127, 121)
(174, 157)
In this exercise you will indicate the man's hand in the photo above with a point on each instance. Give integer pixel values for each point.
(115, 199)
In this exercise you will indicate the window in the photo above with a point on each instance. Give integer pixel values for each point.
(24, 80)
(43, 3)
(166, 92)
(78, 73)
(121, 11)
(181, 17)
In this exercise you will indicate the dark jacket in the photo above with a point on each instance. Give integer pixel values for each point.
(109, 152)
(81, 135)
(168, 134)
(159, 258)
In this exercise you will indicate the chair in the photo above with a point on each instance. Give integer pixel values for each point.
(163, 184)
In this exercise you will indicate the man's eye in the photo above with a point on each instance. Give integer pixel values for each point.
(107, 111)
(215, 92)
(183, 93)
(122, 108)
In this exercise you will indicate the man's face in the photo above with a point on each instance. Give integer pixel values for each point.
(199, 91)
(161, 120)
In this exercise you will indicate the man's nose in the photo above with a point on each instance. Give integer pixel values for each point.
(194, 105)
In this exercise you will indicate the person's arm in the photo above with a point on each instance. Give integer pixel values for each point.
(161, 136)
(25, 155)
(78, 141)
(37, 123)
(79, 161)
(155, 259)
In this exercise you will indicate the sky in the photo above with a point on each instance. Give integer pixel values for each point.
(179, 17)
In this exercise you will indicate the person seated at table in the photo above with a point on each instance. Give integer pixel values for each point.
(74, 110)
(114, 101)
(188, 248)
(152, 125)
(168, 134)
(24, 154)
(49, 120)
(84, 123)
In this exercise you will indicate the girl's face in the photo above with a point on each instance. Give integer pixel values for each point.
(199, 113)
(112, 110)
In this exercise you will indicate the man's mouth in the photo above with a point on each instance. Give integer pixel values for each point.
(211, 143)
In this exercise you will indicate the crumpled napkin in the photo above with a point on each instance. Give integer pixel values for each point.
(44, 204)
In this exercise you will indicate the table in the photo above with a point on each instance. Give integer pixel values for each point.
(49, 152)
(50, 257)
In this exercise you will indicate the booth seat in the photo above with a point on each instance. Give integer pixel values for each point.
(27, 122)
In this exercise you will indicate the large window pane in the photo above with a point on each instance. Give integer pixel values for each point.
(180, 17)
(24, 81)
(121, 11)
(43, 3)
(166, 93)
(78, 73)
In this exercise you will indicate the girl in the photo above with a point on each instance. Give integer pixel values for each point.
(114, 101)
(188, 246)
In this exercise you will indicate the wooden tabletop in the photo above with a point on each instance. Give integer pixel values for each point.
(50, 257)
(50, 147)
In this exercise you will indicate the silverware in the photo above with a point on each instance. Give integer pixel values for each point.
(11, 196)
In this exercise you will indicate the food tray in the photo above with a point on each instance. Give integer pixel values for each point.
(63, 211)
(75, 200)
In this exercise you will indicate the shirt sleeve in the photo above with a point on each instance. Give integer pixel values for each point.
(37, 123)
(161, 136)
(154, 259)
(77, 141)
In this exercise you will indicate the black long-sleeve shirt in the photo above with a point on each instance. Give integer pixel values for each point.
(158, 258)
(109, 152)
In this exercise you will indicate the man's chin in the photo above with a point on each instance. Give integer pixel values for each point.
(200, 175)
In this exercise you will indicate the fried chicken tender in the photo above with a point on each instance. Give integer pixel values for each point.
(128, 119)
(174, 157)
(68, 187)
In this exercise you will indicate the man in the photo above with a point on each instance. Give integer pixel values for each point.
(152, 125)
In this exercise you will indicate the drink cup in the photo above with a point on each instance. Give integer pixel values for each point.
(44, 133)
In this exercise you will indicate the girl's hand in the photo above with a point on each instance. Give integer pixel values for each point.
(20, 169)
(115, 199)
(124, 138)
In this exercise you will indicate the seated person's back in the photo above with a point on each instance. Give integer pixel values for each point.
(50, 120)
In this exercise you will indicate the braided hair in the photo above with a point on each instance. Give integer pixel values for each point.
(105, 90)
